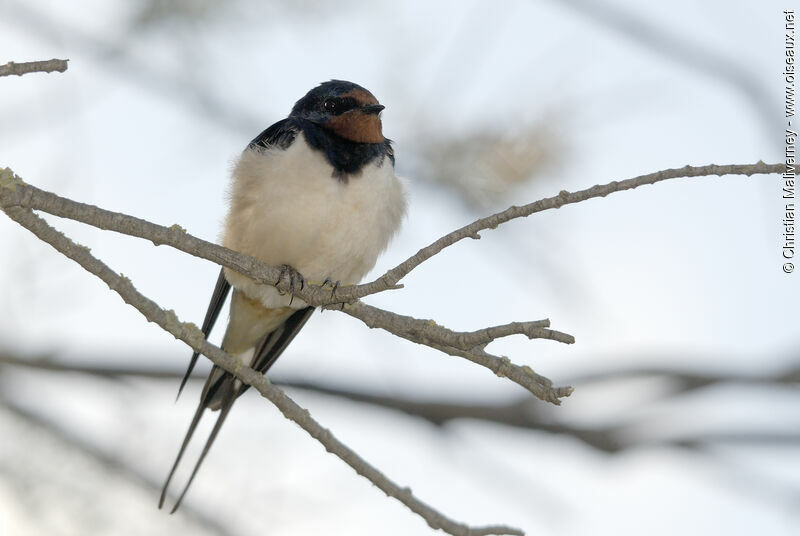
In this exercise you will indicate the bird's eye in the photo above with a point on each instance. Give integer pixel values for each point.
(330, 105)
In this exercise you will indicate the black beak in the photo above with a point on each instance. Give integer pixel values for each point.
(372, 108)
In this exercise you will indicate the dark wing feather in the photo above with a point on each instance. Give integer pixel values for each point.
(276, 342)
(280, 134)
(217, 300)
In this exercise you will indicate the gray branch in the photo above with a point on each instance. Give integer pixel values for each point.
(469, 345)
(47, 66)
(191, 335)
(18, 200)
(15, 193)
(564, 197)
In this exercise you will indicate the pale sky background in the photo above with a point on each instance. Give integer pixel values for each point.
(685, 274)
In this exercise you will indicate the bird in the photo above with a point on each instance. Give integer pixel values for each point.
(316, 194)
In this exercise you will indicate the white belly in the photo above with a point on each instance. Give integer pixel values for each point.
(287, 208)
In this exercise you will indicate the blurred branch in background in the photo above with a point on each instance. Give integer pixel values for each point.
(175, 84)
(485, 168)
(623, 433)
(154, 12)
(523, 412)
(702, 59)
(108, 463)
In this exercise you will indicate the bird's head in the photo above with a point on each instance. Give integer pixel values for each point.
(343, 108)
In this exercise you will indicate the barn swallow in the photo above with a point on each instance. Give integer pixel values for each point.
(315, 193)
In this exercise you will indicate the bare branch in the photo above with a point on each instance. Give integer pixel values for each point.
(428, 331)
(393, 276)
(15, 193)
(191, 335)
(47, 66)
(469, 345)
(18, 199)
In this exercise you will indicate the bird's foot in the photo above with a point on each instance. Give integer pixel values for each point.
(334, 285)
(293, 277)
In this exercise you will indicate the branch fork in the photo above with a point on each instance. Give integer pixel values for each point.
(18, 200)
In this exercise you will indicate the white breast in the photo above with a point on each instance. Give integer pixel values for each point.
(287, 208)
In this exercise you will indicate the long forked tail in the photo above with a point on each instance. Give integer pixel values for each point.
(229, 392)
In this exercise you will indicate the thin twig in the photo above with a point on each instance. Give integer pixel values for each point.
(393, 276)
(469, 345)
(427, 331)
(46, 66)
(191, 335)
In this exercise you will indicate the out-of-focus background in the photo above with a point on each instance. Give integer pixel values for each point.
(686, 414)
